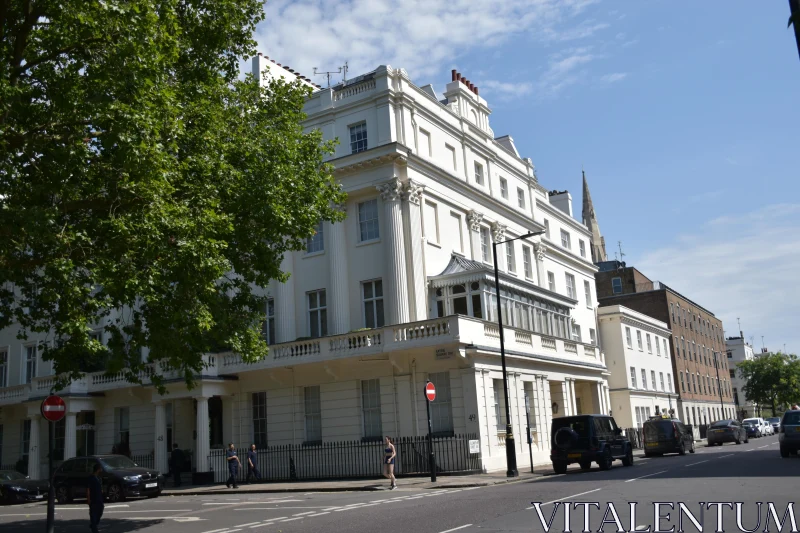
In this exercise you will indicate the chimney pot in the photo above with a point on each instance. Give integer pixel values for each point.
(471, 87)
(463, 79)
(453, 75)
(476, 91)
(260, 54)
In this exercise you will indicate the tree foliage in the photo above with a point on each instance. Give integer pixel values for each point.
(771, 380)
(138, 173)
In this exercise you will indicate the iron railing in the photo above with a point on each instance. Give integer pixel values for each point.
(10, 466)
(635, 437)
(352, 460)
(145, 461)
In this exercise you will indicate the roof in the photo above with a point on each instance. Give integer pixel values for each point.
(460, 264)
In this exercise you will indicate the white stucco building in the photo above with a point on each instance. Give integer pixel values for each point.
(430, 187)
(637, 353)
(738, 350)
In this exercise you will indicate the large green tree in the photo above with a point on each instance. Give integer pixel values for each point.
(144, 186)
(772, 379)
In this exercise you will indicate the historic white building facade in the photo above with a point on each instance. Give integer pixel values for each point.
(637, 353)
(739, 350)
(399, 293)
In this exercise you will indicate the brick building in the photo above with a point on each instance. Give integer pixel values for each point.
(697, 343)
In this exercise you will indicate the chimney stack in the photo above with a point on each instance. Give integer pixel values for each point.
(453, 74)
(476, 91)
(463, 80)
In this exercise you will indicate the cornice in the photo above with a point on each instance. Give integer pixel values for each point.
(625, 319)
(554, 251)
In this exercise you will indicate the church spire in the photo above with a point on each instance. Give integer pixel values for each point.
(590, 221)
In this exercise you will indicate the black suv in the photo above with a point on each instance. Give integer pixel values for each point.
(666, 435)
(584, 439)
(120, 477)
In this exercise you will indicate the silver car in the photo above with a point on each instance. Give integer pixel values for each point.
(776, 423)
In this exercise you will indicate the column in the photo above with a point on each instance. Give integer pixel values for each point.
(499, 235)
(34, 449)
(540, 250)
(396, 281)
(474, 219)
(566, 408)
(412, 198)
(70, 436)
(161, 452)
(202, 445)
(608, 399)
(601, 400)
(573, 396)
(339, 299)
(285, 329)
(548, 412)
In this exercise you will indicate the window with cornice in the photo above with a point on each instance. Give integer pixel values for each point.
(570, 281)
(565, 240)
(358, 138)
(526, 262)
(478, 173)
(485, 255)
(510, 260)
(521, 198)
(504, 188)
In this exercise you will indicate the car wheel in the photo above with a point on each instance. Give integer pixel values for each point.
(682, 449)
(628, 459)
(559, 467)
(691, 450)
(605, 462)
(738, 440)
(62, 495)
(784, 452)
(114, 494)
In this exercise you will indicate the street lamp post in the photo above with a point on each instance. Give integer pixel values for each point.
(719, 385)
(511, 452)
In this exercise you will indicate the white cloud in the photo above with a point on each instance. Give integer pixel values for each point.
(506, 90)
(740, 266)
(421, 36)
(565, 69)
(613, 78)
(626, 44)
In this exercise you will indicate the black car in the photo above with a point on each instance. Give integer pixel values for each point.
(666, 435)
(121, 478)
(585, 439)
(17, 488)
(724, 431)
(752, 429)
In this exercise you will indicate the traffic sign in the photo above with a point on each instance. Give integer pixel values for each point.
(430, 391)
(54, 408)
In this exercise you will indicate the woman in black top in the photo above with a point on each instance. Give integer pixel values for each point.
(388, 462)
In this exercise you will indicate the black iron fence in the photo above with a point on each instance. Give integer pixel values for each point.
(145, 461)
(354, 460)
(635, 437)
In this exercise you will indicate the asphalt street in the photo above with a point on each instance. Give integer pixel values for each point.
(746, 473)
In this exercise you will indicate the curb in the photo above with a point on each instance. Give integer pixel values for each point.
(213, 492)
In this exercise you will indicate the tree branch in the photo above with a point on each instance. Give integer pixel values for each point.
(19, 70)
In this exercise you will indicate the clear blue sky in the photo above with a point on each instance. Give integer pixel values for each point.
(686, 117)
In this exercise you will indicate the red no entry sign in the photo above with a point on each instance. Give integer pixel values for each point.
(54, 408)
(430, 391)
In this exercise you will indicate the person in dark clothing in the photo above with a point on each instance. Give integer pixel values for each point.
(252, 464)
(233, 466)
(177, 464)
(94, 497)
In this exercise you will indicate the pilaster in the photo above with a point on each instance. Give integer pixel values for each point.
(34, 448)
(70, 436)
(202, 445)
(499, 235)
(160, 439)
(396, 280)
(418, 286)
(285, 329)
(540, 250)
(339, 300)
(474, 220)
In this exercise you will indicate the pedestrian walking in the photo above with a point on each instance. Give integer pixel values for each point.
(252, 464)
(177, 464)
(233, 466)
(94, 497)
(388, 462)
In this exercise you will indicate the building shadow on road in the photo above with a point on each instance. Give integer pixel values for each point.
(111, 525)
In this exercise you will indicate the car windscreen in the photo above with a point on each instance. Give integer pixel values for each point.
(792, 418)
(578, 425)
(117, 463)
(658, 429)
(721, 424)
(750, 421)
(10, 475)
(773, 420)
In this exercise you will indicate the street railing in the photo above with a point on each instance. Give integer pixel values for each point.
(635, 437)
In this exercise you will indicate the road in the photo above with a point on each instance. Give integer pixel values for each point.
(746, 473)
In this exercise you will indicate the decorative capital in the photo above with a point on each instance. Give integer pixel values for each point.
(474, 218)
(498, 232)
(540, 250)
(391, 190)
(412, 192)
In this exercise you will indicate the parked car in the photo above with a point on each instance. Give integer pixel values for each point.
(775, 421)
(756, 422)
(585, 439)
(18, 488)
(768, 431)
(752, 429)
(120, 477)
(724, 431)
(789, 437)
(665, 435)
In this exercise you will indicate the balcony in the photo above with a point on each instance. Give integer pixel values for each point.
(454, 330)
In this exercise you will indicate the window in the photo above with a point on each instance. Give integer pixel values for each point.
(511, 263)
(628, 337)
(431, 216)
(733, 373)
(458, 235)
(373, 303)
(313, 414)
(478, 173)
(499, 406)
(587, 292)
(658, 346)
(565, 240)
(576, 332)
(425, 143)
(368, 220)
(592, 336)
(441, 409)
(551, 281)
(456, 300)
(123, 424)
(268, 329)
(683, 387)
(452, 152)
(526, 262)
(504, 188)
(633, 378)
(3, 369)
(639, 340)
(25, 438)
(485, 245)
(59, 437)
(316, 243)
(616, 285)
(547, 228)
(570, 280)
(653, 379)
(371, 408)
(672, 311)
(260, 419)
(84, 433)
(520, 198)
(649, 346)
(30, 363)
(582, 248)
(644, 379)
(358, 138)
(317, 314)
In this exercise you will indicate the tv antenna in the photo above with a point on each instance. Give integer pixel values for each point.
(621, 255)
(343, 69)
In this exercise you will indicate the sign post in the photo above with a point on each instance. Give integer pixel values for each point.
(53, 409)
(430, 395)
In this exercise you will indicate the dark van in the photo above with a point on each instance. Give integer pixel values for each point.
(665, 435)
